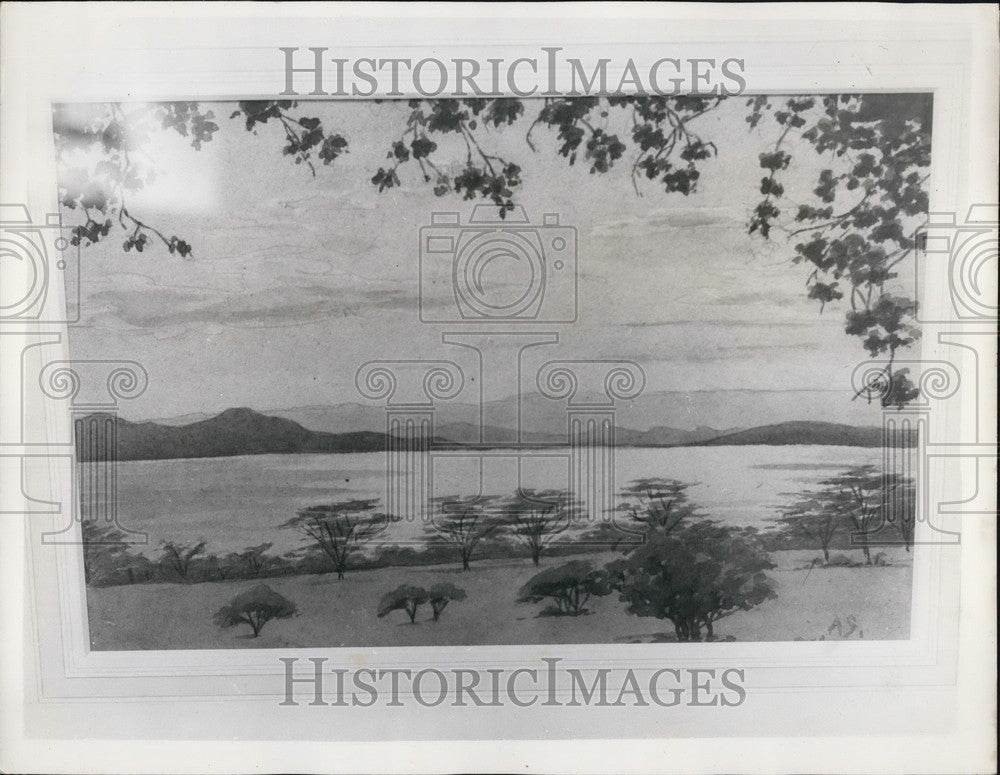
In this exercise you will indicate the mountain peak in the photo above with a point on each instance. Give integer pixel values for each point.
(240, 412)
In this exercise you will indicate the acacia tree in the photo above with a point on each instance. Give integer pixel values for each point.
(338, 530)
(256, 607)
(464, 522)
(404, 598)
(222, 567)
(254, 559)
(569, 586)
(535, 517)
(869, 500)
(815, 517)
(657, 504)
(178, 556)
(862, 501)
(652, 503)
(854, 229)
(441, 594)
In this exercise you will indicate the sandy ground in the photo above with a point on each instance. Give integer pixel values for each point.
(342, 613)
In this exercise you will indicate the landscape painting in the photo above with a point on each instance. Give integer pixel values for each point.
(468, 372)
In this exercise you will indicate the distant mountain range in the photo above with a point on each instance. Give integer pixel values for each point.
(723, 409)
(234, 432)
(806, 433)
(470, 433)
(248, 432)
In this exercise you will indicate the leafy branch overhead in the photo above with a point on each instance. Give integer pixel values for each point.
(851, 232)
(115, 135)
(855, 235)
(304, 136)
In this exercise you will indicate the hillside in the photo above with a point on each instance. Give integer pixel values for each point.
(469, 433)
(831, 434)
(234, 432)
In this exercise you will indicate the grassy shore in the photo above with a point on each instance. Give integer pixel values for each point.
(342, 613)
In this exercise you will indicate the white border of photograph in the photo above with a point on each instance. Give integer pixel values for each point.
(848, 693)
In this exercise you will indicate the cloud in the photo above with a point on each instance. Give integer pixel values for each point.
(660, 221)
(705, 322)
(160, 307)
(707, 353)
(747, 298)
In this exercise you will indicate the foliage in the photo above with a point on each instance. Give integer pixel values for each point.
(570, 586)
(657, 504)
(115, 133)
(868, 201)
(694, 576)
(178, 557)
(254, 559)
(482, 175)
(869, 501)
(441, 594)
(650, 504)
(534, 518)
(608, 534)
(404, 598)
(813, 518)
(248, 564)
(464, 522)
(106, 559)
(220, 567)
(305, 137)
(855, 228)
(256, 607)
(409, 598)
(339, 529)
(852, 509)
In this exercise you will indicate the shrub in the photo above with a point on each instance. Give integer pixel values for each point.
(442, 594)
(570, 586)
(403, 598)
(256, 607)
(694, 576)
(106, 559)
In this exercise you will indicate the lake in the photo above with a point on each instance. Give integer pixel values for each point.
(236, 502)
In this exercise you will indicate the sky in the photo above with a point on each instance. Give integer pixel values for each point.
(296, 280)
